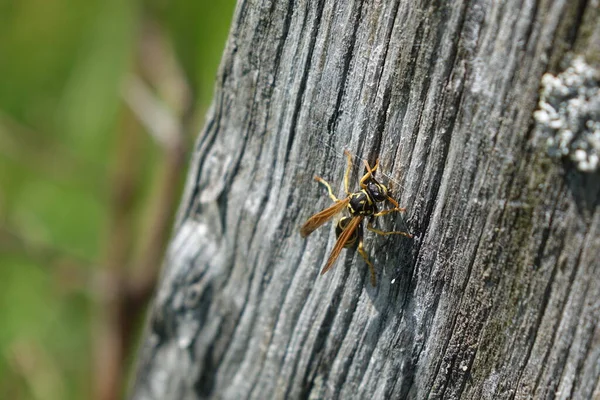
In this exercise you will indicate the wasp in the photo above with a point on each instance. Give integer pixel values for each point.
(360, 205)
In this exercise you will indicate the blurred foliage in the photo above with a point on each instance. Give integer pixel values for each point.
(63, 67)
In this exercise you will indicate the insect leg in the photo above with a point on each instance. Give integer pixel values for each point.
(393, 201)
(348, 170)
(324, 182)
(383, 233)
(363, 254)
(391, 210)
(370, 172)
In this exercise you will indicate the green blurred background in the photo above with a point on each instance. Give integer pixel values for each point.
(100, 102)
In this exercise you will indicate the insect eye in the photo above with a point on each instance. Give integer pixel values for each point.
(385, 190)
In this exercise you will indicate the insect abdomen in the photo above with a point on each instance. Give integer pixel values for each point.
(341, 225)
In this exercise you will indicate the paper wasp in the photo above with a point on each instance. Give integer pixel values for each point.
(361, 205)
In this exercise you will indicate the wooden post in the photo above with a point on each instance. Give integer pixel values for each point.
(498, 294)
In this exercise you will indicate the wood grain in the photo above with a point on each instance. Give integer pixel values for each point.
(498, 294)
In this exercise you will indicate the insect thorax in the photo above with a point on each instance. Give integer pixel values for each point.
(361, 204)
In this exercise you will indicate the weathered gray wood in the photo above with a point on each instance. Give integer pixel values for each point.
(498, 294)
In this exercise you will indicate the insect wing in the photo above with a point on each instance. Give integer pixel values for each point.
(341, 242)
(320, 218)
